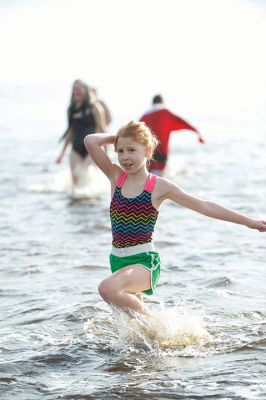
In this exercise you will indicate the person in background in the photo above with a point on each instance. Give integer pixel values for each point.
(106, 110)
(162, 122)
(85, 116)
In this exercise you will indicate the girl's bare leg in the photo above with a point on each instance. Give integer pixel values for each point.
(124, 286)
(139, 296)
(76, 164)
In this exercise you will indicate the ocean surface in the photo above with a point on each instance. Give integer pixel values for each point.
(59, 340)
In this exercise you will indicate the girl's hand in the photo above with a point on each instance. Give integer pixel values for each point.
(254, 224)
(59, 159)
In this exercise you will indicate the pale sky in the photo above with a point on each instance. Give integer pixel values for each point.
(203, 55)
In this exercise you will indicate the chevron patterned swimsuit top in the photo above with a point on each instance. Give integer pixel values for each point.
(133, 219)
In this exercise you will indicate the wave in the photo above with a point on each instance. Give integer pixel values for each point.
(221, 281)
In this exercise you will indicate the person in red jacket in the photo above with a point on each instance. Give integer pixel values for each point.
(162, 122)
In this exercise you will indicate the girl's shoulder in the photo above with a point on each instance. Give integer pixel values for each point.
(162, 184)
(161, 189)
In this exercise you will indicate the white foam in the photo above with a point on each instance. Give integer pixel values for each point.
(92, 183)
(60, 182)
(168, 328)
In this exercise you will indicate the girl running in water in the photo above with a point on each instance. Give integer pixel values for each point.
(136, 198)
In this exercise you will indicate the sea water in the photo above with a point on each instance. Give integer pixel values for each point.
(59, 340)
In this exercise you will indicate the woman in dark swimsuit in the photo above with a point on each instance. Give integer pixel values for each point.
(85, 116)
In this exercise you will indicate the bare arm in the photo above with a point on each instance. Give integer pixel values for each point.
(94, 144)
(68, 137)
(211, 209)
(107, 113)
(98, 113)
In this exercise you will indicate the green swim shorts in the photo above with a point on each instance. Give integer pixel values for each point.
(150, 260)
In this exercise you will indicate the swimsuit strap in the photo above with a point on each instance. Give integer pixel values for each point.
(121, 179)
(150, 182)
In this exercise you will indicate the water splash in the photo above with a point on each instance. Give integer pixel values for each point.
(60, 182)
(168, 329)
(92, 184)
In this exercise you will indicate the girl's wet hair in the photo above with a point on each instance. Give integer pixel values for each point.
(139, 132)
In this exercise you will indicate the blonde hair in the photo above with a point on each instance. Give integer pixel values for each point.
(139, 132)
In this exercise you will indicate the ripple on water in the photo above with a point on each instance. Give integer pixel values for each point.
(90, 267)
(7, 379)
(58, 358)
(166, 243)
(218, 282)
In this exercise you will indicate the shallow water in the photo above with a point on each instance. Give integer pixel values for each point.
(59, 340)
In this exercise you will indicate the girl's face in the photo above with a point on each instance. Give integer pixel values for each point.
(79, 93)
(131, 155)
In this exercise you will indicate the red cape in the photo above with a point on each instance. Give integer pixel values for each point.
(162, 122)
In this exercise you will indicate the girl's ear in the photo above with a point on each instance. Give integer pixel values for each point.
(148, 152)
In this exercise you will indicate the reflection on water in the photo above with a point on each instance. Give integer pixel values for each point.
(60, 340)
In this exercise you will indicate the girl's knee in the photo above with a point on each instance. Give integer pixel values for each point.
(106, 291)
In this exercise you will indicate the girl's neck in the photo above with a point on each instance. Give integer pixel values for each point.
(140, 175)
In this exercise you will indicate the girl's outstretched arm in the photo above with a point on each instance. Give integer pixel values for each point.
(211, 209)
(94, 144)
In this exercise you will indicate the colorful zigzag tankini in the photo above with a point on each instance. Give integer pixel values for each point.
(133, 219)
